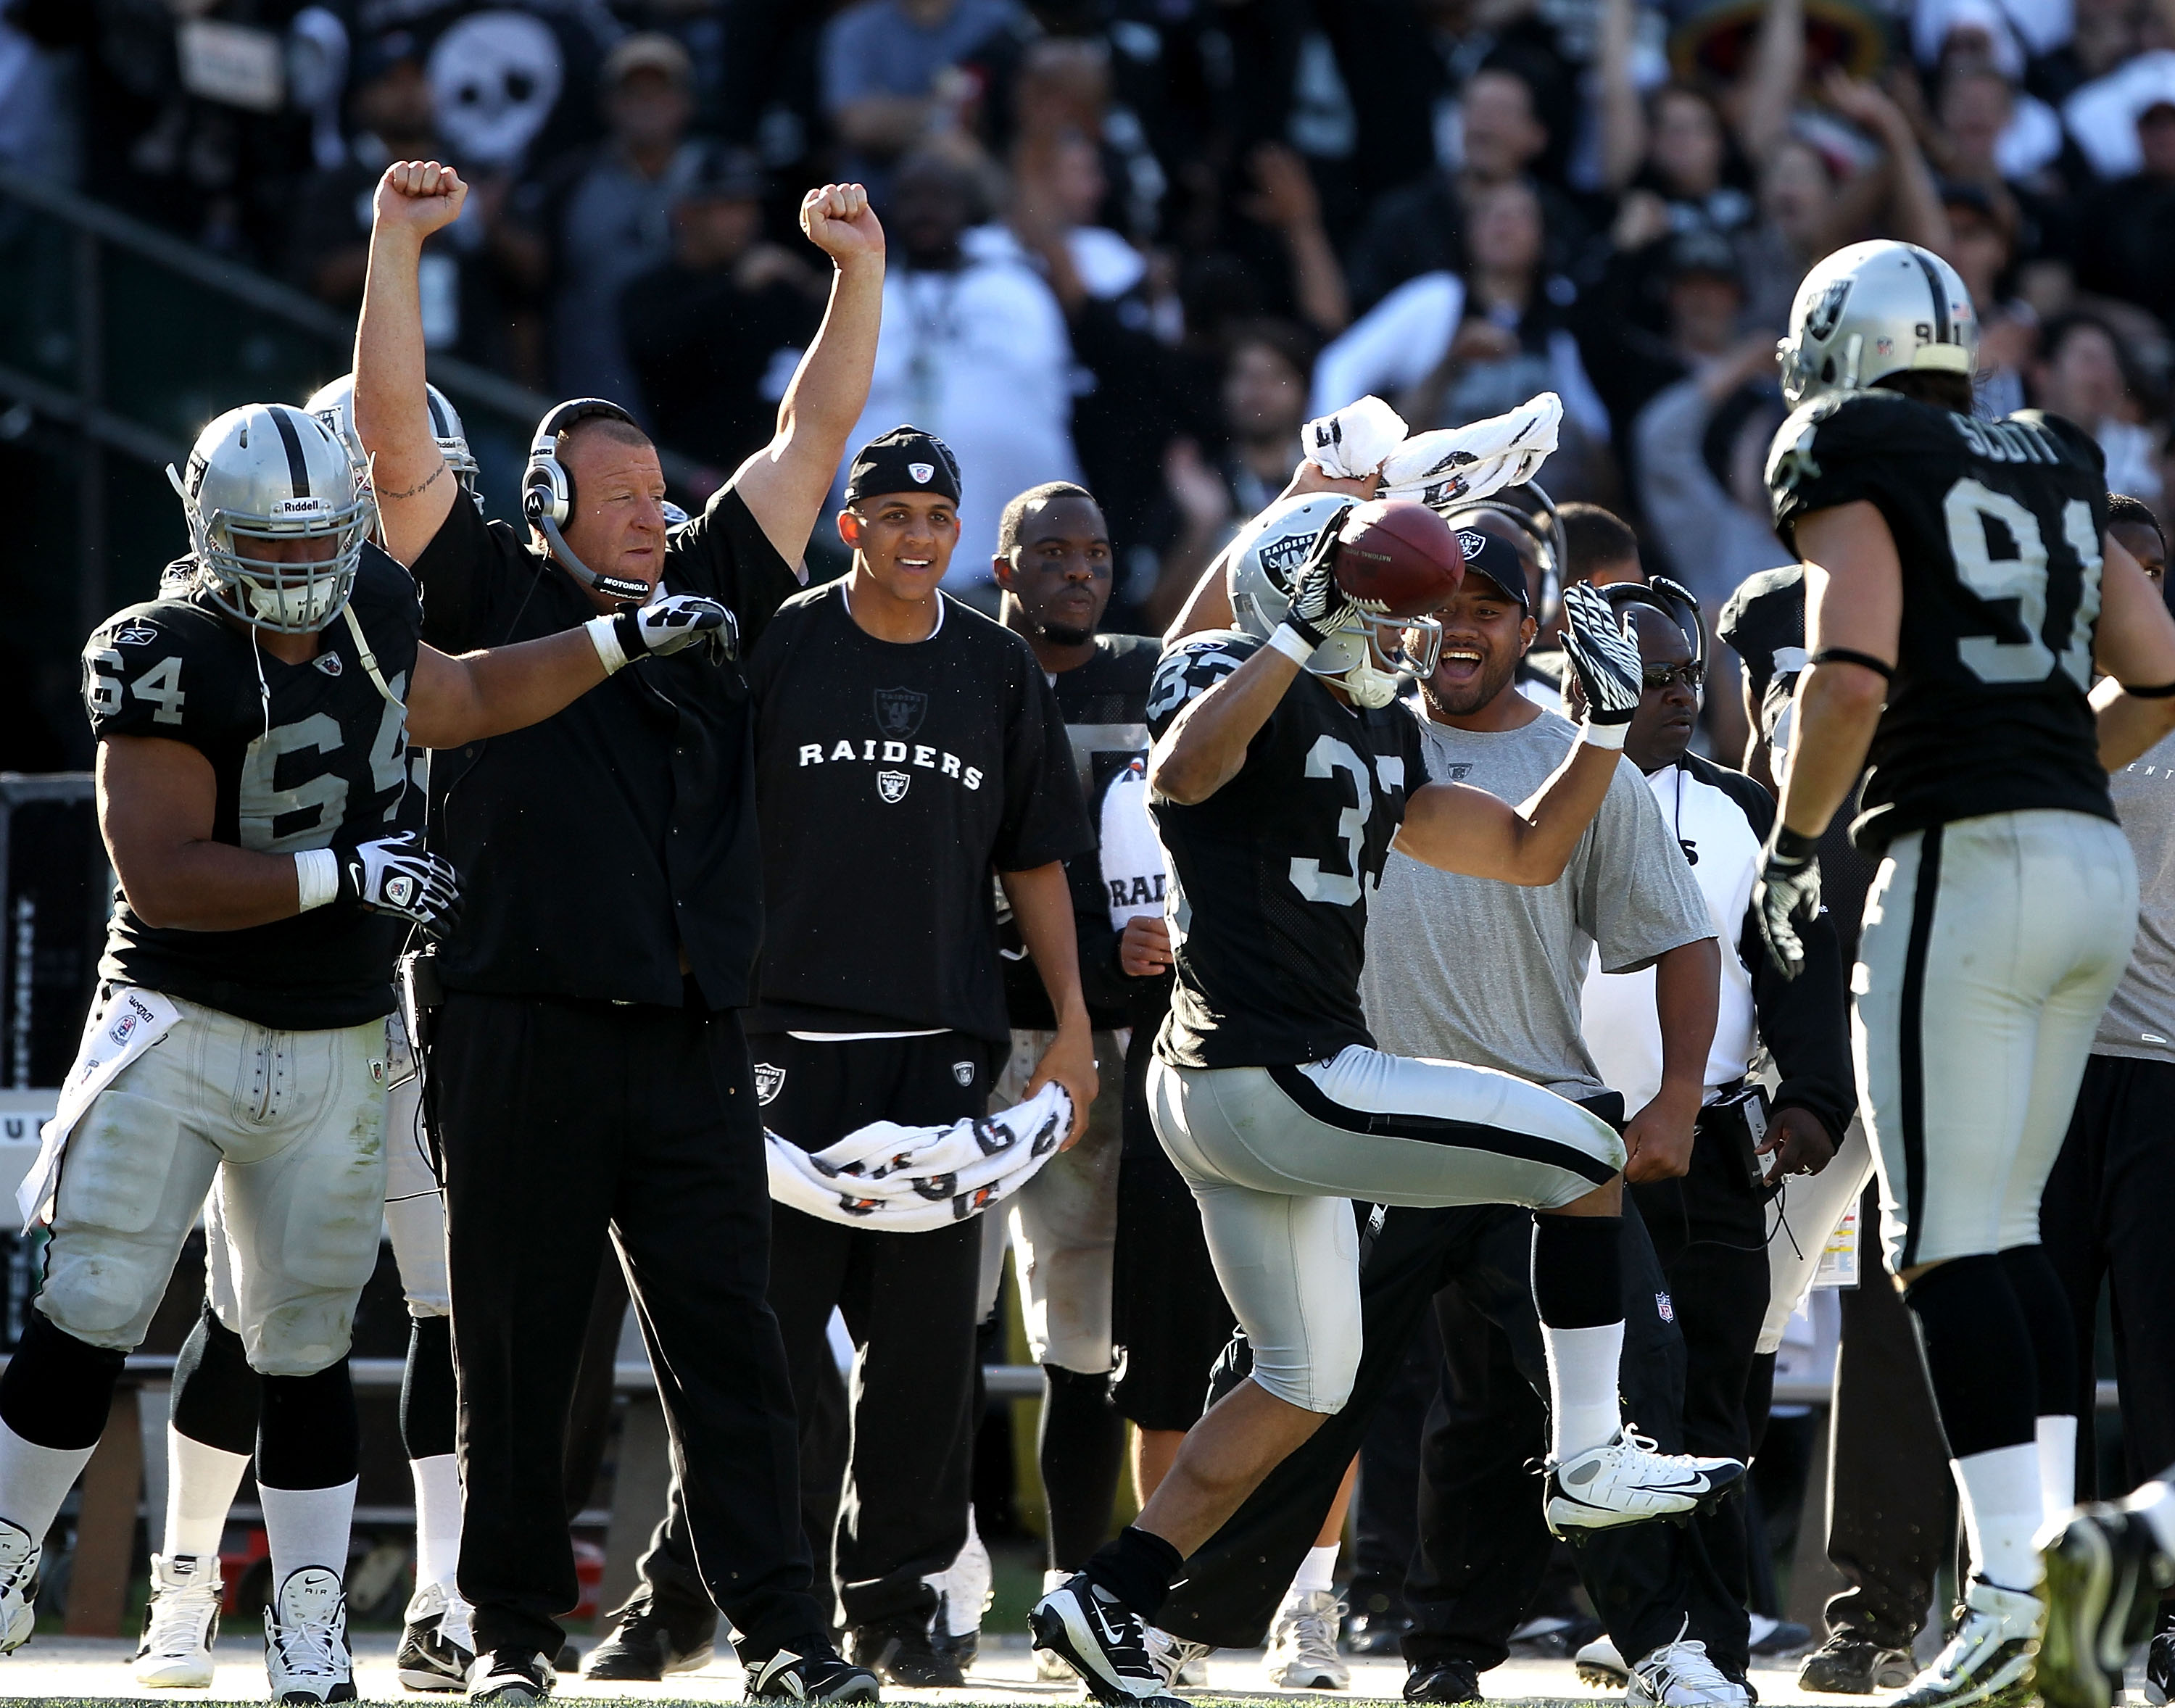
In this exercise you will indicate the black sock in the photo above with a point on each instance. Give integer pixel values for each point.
(1136, 1567)
(427, 1404)
(216, 1395)
(57, 1389)
(2045, 1303)
(1978, 1346)
(1079, 1446)
(307, 1437)
(1578, 1270)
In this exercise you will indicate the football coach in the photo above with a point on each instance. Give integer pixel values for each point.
(588, 1070)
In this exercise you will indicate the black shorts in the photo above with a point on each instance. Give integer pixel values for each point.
(1168, 1318)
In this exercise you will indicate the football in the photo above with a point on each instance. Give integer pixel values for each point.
(1398, 557)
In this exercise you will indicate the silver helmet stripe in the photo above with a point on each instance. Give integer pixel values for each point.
(298, 468)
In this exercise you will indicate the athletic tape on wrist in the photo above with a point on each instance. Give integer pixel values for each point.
(1291, 643)
(605, 636)
(316, 877)
(1608, 735)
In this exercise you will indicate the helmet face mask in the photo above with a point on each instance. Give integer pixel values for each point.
(262, 479)
(1872, 310)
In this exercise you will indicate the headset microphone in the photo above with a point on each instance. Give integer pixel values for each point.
(547, 495)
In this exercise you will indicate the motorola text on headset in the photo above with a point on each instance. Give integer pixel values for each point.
(547, 494)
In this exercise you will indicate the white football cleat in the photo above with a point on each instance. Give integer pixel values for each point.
(1683, 1675)
(1626, 1482)
(1989, 1659)
(306, 1658)
(18, 1586)
(181, 1623)
(1303, 1644)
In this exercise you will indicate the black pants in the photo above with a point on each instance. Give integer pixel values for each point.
(2105, 1216)
(1386, 1508)
(561, 1121)
(1472, 1586)
(1891, 1511)
(1709, 1228)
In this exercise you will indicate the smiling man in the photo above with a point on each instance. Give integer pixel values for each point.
(908, 751)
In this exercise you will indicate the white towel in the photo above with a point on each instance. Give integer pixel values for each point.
(906, 1179)
(1456, 465)
(1351, 443)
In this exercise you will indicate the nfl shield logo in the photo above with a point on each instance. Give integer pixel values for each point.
(891, 786)
(330, 663)
(769, 1080)
(963, 1071)
(921, 472)
(1666, 1306)
(899, 711)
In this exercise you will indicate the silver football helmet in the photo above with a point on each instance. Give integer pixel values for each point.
(269, 474)
(1270, 549)
(334, 405)
(1876, 309)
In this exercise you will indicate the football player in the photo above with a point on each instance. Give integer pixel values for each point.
(254, 793)
(1963, 589)
(1282, 774)
(212, 1423)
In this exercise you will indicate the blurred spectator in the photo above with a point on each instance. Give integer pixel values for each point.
(1599, 546)
(897, 71)
(1702, 457)
(1285, 201)
(973, 349)
(392, 116)
(2126, 228)
(2079, 374)
(1264, 405)
(601, 216)
(32, 136)
(1702, 295)
(1981, 245)
(715, 334)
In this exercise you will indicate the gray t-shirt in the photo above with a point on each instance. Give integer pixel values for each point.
(2140, 1015)
(1468, 969)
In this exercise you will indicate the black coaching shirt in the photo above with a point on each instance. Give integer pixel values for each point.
(595, 844)
(1269, 875)
(300, 755)
(895, 779)
(1998, 526)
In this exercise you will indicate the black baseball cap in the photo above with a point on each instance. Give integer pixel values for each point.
(1494, 558)
(906, 460)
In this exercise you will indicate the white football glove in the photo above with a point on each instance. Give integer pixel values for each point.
(667, 625)
(1787, 890)
(1607, 661)
(396, 875)
(1319, 604)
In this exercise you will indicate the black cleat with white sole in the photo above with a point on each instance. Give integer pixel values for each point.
(1103, 1640)
(2106, 1571)
(1626, 1481)
(812, 1675)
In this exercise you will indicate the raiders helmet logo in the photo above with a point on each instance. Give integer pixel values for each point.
(136, 632)
(1280, 557)
(891, 787)
(1821, 317)
(330, 663)
(769, 1080)
(963, 1071)
(899, 711)
(923, 473)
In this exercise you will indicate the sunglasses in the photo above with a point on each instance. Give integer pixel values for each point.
(1660, 678)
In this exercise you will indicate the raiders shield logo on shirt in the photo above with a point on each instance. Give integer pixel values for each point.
(891, 786)
(899, 711)
(769, 1080)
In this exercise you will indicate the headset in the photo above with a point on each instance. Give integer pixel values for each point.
(547, 494)
(1528, 508)
(1672, 599)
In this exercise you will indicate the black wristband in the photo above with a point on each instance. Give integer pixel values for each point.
(1794, 847)
(2165, 690)
(1864, 661)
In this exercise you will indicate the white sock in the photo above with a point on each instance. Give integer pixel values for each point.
(437, 1517)
(1582, 1410)
(2000, 1490)
(35, 1480)
(2055, 1440)
(307, 1527)
(200, 1483)
(2155, 1500)
(1316, 1573)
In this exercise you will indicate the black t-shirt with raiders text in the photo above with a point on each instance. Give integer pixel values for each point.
(1997, 525)
(598, 846)
(1104, 704)
(300, 755)
(894, 779)
(1269, 875)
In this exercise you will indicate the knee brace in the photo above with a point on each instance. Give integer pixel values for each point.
(216, 1395)
(307, 1437)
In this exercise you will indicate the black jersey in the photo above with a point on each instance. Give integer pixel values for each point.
(1764, 623)
(1997, 527)
(1269, 875)
(301, 754)
(893, 780)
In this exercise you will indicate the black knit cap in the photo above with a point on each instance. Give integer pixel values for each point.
(906, 460)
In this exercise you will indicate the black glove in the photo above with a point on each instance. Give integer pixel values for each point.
(1318, 605)
(673, 623)
(1605, 658)
(396, 875)
(1787, 890)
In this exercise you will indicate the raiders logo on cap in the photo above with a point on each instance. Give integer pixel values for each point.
(1471, 544)
(921, 472)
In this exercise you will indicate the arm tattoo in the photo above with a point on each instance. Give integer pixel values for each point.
(420, 486)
